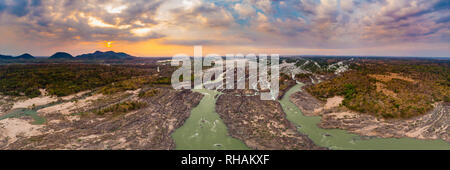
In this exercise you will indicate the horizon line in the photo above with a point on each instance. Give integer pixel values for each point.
(285, 55)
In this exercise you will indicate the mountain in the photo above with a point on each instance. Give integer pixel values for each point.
(98, 55)
(25, 56)
(5, 57)
(61, 55)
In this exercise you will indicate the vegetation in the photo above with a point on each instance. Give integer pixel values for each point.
(163, 80)
(61, 79)
(285, 82)
(134, 84)
(148, 93)
(303, 76)
(394, 89)
(120, 108)
(130, 84)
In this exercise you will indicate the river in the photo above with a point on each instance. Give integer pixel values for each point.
(204, 130)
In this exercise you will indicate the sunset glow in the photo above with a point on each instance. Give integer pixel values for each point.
(163, 27)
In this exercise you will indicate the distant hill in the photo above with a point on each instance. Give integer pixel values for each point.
(109, 55)
(5, 57)
(61, 55)
(25, 56)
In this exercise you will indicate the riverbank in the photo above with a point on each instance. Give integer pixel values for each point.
(342, 139)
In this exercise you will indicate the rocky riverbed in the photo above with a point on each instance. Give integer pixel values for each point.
(74, 126)
(260, 124)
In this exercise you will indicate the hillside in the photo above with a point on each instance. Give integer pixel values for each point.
(5, 57)
(25, 56)
(61, 55)
(109, 55)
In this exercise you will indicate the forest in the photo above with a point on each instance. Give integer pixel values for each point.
(62, 79)
(389, 88)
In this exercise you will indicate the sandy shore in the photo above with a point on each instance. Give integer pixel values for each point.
(37, 101)
(13, 128)
(68, 107)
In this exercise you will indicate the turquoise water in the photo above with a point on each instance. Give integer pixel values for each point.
(33, 112)
(341, 139)
(17, 113)
(25, 112)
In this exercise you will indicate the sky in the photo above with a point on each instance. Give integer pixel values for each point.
(170, 27)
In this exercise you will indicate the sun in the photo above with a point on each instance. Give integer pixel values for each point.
(108, 44)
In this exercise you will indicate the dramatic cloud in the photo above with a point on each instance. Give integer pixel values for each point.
(280, 24)
(92, 20)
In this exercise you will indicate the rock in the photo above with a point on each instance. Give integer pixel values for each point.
(148, 128)
(260, 124)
